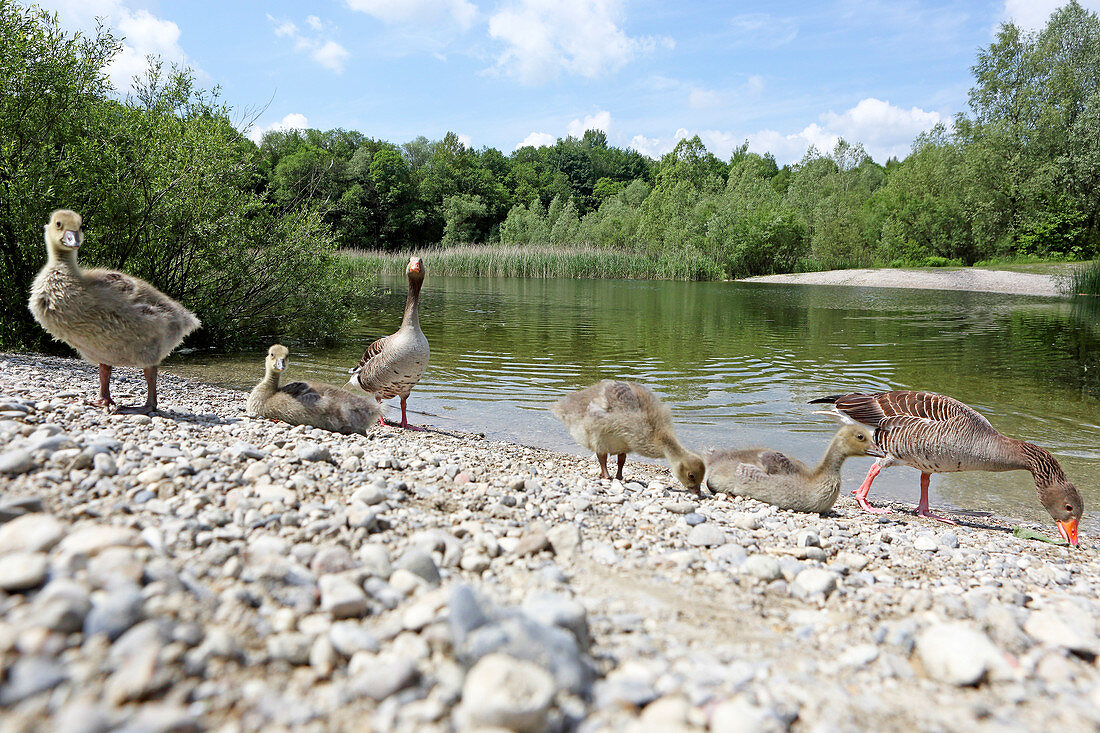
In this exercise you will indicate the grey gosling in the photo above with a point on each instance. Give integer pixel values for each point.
(309, 403)
(111, 318)
(772, 477)
(623, 417)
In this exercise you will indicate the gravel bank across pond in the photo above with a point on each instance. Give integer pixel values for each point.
(206, 570)
(972, 279)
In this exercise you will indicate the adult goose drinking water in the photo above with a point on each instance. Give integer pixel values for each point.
(111, 318)
(392, 365)
(938, 434)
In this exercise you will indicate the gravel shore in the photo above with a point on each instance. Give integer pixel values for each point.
(972, 279)
(201, 569)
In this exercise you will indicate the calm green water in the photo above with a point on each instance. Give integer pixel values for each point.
(738, 363)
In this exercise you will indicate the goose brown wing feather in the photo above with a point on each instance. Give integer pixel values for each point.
(774, 462)
(873, 409)
(375, 348)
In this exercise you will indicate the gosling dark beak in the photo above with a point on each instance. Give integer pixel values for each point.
(280, 364)
(874, 450)
(1068, 530)
(71, 239)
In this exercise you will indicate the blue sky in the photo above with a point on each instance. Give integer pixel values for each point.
(781, 75)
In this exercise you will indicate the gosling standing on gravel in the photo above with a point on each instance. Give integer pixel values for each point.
(623, 417)
(309, 403)
(111, 318)
(769, 476)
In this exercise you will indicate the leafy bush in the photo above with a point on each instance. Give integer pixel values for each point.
(166, 186)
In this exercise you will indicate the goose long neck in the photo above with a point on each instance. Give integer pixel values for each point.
(411, 318)
(833, 459)
(672, 447)
(270, 383)
(1043, 466)
(64, 257)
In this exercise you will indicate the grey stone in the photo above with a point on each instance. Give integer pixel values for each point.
(1064, 626)
(741, 716)
(293, 648)
(420, 563)
(955, 654)
(30, 675)
(388, 675)
(807, 538)
(370, 494)
(113, 612)
(531, 543)
(241, 449)
(694, 518)
(105, 463)
(506, 693)
(813, 582)
(20, 571)
(706, 535)
(375, 559)
(556, 610)
(341, 597)
(466, 612)
(522, 637)
(62, 605)
(764, 567)
(348, 638)
(30, 533)
(15, 462)
(926, 543)
(565, 539)
(313, 452)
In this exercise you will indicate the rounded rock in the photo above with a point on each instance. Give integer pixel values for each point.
(508, 693)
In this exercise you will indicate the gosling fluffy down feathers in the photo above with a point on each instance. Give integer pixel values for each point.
(309, 403)
(772, 477)
(624, 417)
(109, 317)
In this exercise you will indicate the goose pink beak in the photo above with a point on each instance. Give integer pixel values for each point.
(1068, 530)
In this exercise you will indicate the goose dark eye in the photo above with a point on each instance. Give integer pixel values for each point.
(1069, 508)
(861, 436)
(58, 225)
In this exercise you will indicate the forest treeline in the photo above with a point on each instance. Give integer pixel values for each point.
(248, 235)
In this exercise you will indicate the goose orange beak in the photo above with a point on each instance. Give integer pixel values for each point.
(1068, 530)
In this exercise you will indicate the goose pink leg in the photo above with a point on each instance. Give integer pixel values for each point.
(865, 488)
(922, 505)
(405, 418)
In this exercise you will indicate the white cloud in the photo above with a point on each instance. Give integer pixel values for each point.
(599, 121)
(326, 52)
(543, 38)
(292, 121)
(537, 140)
(884, 130)
(418, 12)
(144, 34)
(1032, 15)
(331, 55)
(465, 139)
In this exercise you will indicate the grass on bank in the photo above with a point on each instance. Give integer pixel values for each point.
(545, 261)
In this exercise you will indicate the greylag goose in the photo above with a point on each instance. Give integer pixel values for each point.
(774, 478)
(938, 434)
(623, 417)
(111, 318)
(392, 365)
(309, 403)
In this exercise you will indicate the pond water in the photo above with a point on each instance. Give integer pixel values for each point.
(738, 363)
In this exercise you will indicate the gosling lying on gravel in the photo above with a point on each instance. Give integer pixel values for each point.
(308, 403)
(623, 417)
(772, 477)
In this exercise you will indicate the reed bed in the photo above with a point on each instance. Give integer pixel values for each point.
(544, 261)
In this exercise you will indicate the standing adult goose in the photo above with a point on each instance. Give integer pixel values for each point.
(392, 365)
(774, 478)
(938, 434)
(111, 318)
(623, 417)
(309, 403)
